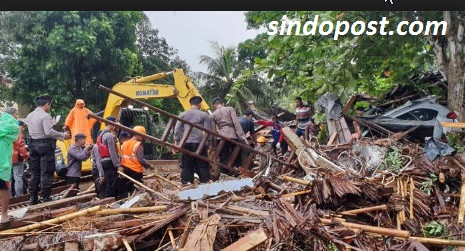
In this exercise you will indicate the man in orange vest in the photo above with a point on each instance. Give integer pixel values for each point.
(133, 161)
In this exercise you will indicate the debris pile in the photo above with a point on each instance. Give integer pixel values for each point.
(354, 193)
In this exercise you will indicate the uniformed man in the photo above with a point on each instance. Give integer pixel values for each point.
(42, 145)
(108, 150)
(190, 164)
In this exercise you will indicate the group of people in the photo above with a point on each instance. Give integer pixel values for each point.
(109, 155)
(225, 122)
(116, 151)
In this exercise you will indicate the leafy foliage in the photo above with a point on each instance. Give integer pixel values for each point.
(393, 160)
(313, 65)
(228, 79)
(456, 141)
(68, 54)
(427, 186)
(434, 229)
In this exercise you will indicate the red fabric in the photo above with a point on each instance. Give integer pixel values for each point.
(19, 149)
(269, 123)
(281, 136)
(102, 148)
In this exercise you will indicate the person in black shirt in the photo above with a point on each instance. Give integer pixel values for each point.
(248, 126)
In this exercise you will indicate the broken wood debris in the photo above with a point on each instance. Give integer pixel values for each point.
(355, 196)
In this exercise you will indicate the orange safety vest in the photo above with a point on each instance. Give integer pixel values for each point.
(129, 155)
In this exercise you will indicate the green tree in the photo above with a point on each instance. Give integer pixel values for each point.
(154, 52)
(450, 55)
(68, 54)
(228, 78)
(309, 66)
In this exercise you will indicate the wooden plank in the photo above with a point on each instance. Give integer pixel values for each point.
(248, 242)
(349, 103)
(50, 222)
(462, 203)
(453, 124)
(62, 202)
(57, 213)
(178, 213)
(332, 139)
(132, 210)
(25, 197)
(169, 126)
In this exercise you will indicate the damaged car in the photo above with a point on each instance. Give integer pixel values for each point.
(425, 113)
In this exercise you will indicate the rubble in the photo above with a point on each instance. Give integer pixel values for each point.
(362, 194)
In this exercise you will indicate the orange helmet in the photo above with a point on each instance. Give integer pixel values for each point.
(140, 129)
(261, 139)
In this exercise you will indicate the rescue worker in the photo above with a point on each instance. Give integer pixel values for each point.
(133, 162)
(263, 147)
(9, 131)
(97, 172)
(247, 124)
(303, 116)
(225, 118)
(42, 145)
(77, 153)
(77, 121)
(20, 156)
(106, 143)
(124, 136)
(190, 164)
(277, 133)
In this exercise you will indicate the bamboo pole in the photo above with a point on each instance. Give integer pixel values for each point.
(126, 244)
(171, 235)
(364, 210)
(131, 210)
(143, 186)
(462, 203)
(165, 245)
(412, 187)
(247, 210)
(54, 221)
(165, 180)
(296, 193)
(291, 179)
(398, 217)
(185, 232)
(377, 230)
(437, 241)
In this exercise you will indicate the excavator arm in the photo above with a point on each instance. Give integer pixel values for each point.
(143, 88)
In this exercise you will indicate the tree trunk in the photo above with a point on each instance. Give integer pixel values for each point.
(449, 55)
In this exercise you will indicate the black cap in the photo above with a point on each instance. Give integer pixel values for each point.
(195, 100)
(216, 100)
(124, 134)
(79, 136)
(360, 108)
(111, 118)
(44, 98)
(21, 123)
(248, 112)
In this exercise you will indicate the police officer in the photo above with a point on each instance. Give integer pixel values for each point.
(42, 138)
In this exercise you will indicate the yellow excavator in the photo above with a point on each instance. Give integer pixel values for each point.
(141, 88)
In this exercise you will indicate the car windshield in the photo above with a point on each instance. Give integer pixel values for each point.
(421, 114)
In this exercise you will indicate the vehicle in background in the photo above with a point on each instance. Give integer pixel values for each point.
(425, 112)
(142, 88)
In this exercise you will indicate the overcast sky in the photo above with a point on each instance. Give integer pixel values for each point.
(190, 31)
